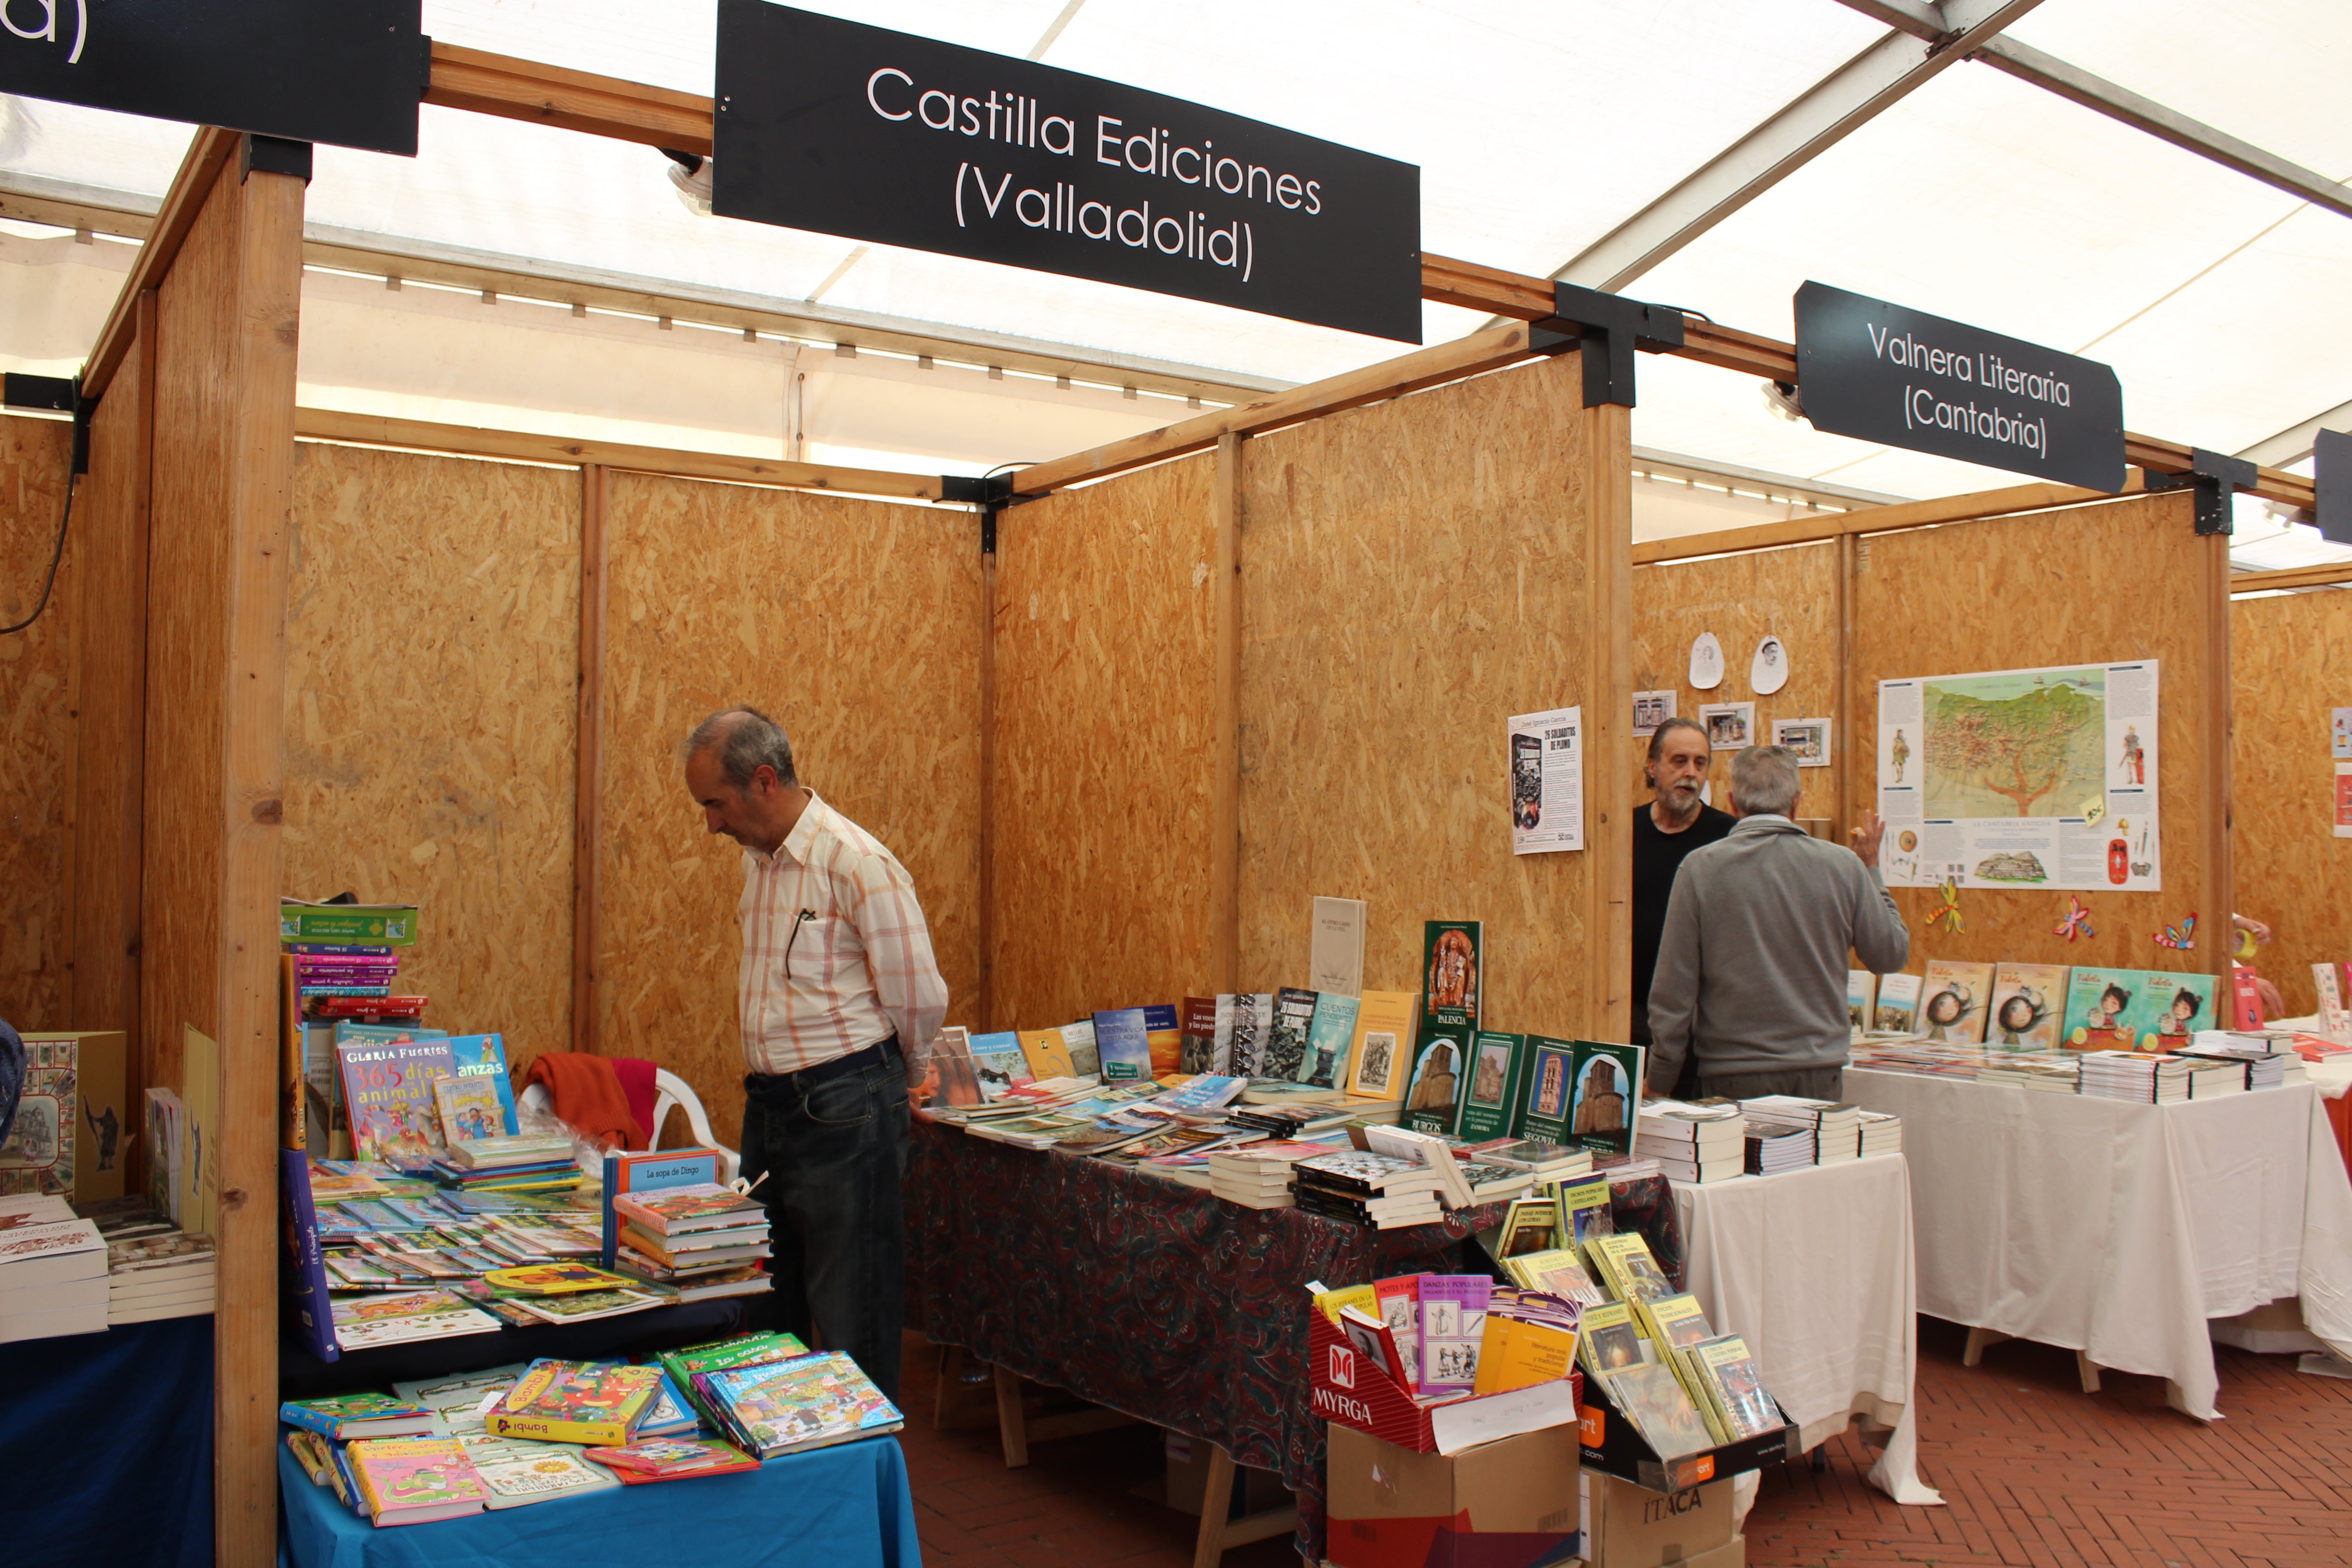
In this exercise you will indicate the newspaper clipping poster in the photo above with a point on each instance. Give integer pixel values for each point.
(1548, 782)
(2022, 778)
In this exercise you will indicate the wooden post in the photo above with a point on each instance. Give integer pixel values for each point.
(1843, 750)
(1608, 699)
(2213, 766)
(1225, 780)
(986, 1010)
(588, 797)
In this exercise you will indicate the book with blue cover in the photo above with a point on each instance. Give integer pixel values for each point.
(485, 1055)
(790, 1406)
(1124, 1045)
(1328, 1035)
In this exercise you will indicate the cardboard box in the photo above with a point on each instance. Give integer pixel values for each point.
(1626, 1526)
(1732, 1554)
(1614, 1446)
(1188, 1478)
(1511, 1503)
(1357, 1392)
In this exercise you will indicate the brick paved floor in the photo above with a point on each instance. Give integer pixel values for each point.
(2036, 1473)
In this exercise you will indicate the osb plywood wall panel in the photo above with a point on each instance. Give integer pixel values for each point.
(187, 640)
(1413, 574)
(1104, 709)
(36, 700)
(2291, 667)
(2089, 585)
(855, 624)
(431, 652)
(1789, 593)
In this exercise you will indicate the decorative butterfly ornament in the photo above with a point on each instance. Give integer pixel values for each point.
(2182, 936)
(2076, 923)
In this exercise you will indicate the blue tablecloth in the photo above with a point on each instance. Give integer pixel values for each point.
(106, 1447)
(848, 1507)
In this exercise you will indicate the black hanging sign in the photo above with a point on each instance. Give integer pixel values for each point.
(2331, 471)
(347, 72)
(1902, 378)
(848, 129)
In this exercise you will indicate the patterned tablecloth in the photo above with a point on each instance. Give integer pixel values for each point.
(1158, 1300)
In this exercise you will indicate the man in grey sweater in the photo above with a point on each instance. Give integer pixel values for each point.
(1751, 976)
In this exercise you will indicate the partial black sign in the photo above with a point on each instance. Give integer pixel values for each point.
(844, 129)
(346, 72)
(1900, 377)
(2331, 453)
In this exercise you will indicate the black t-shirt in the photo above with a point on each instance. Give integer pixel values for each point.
(1656, 857)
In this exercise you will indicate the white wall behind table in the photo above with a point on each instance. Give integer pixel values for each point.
(1814, 1269)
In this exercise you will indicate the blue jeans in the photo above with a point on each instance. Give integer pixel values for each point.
(834, 1156)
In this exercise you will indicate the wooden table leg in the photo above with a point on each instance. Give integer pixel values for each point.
(1220, 1532)
(1978, 1340)
(1012, 1423)
(2085, 1369)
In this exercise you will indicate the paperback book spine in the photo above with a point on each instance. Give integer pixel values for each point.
(312, 1306)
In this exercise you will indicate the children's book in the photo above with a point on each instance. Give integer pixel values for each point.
(2173, 1007)
(1898, 1003)
(1861, 996)
(1196, 1049)
(647, 1172)
(1123, 1046)
(1953, 1001)
(309, 1285)
(1399, 1300)
(415, 1481)
(1605, 1087)
(810, 1402)
(1379, 1048)
(388, 1089)
(745, 1350)
(1047, 1054)
(344, 1416)
(468, 1108)
(1001, 1064)
(576, 1402)
(484, 1057)
(2100, 1009)
(2028, 1007)
(37, 1156)
(673, 1459)
(1286, 1043)
(1451, 975)
(1163, 1032)
(1432, 1092)
(1491, 1101)
(517, 1471)
(1328, 1035)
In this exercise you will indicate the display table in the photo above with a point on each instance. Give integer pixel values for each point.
(845, 1508)
(1813, 1268)
(106, 1447)
(302, 1375)
(1149, 1296)
(2116, 1230)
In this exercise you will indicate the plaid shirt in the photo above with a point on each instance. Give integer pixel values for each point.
(856, 969)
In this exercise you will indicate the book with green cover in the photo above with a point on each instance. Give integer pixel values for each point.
(1286, 1043)
(1490, 1101)
(718, 1355)
(1329, 1036)
(380, 925)
(1432, 1086)
(1452, 978)
(1606, 1087)
(1547, 1081)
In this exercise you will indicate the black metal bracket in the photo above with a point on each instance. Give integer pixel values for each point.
(990, 492)
(53, 394)
(1609, 328)
(2215, 476)
(275, 155)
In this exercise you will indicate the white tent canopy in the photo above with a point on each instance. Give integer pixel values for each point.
(1540, 127)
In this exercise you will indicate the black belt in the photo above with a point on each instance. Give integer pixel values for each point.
(767, 1086)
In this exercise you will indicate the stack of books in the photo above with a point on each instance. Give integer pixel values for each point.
(1543, 1162)
(168, 1275)
(2053, 1072)
(2140, 1076)
(1258, 1175)
(1382, 1191)
(703, 1241)
(1881, 1133)
(53, 1278)
(2265, 1069)
(788, 1406)
(528, 1162)
(2213, 1077)
(1837, 1128)
(1770, 1147)
(1692, 1143)
(327, 972)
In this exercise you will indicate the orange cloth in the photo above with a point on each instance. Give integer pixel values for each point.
(588, 1097)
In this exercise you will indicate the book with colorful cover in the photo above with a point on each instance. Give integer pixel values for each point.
(1047, 1053)
(718, 1355)
(1954, 1001)
(1196, 1049)
(1286, 1041)
(576, 1402)
(810, 1402)
(650, 1170)
(1398, 1298)
(2028, 1007)
(346, 1416)
(484, 1056)
(415, 1481)
(1861, 997)
(1452, 1325)
(1898, 1003)
(37, 1155)
(1623, 1262)
(1163, 1031)
(1734, 1385)
(304, 923)
(468, 1108)
(1549, 1083)
(2101, 1009)
(950, 1076)
(312, 1312)
(555, 1280)
(701, 1207)
(518, 1471)
(1328, 1035)
(1374, 1341)
(1607, 1337)
(1380, 1046)
(1433, 1094)
(1123, 1045)
(1490, 1101)
(388, 1089)
(1653, 1397)
(2174, 1006)
(1001, 1064)
(1452, 976)
(1606, 1084)
(1085, 1056)
(673, 1459)
(1517, 1354)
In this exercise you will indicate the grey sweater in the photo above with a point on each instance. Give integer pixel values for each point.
(1752, 968)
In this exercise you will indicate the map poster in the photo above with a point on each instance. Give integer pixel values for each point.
(2023, 779)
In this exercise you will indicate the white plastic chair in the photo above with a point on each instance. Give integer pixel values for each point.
(669, 1092)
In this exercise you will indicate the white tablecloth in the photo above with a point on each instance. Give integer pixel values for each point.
(1813, 1268)
(2118, 1230)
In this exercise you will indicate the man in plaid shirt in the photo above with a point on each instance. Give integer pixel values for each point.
(840, 1001)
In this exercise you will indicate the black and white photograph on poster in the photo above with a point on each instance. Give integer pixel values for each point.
(2023, 779)
(1809, 738)
(1767, 671)
(1650, 708)
(1730, 726)
(1546, 781)
(1705, 662)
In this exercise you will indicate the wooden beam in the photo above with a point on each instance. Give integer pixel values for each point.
(2221, 891)
(588, 789)
(374, 430)
(259, 389)
(207, 156)
(1873, 520)
(1608, 702)
(1226, 767)
(2320, 576)
(987, 1008)
(1468, 356)
(1842, 736)
(573, 100)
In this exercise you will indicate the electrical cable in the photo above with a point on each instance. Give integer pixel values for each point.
(56, 556)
